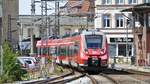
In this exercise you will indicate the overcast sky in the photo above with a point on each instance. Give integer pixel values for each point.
(25, 7)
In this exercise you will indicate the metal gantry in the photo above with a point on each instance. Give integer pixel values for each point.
(45, 25)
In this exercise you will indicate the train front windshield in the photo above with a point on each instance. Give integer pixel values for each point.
(94, 41)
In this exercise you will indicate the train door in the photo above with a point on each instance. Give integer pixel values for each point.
(42, 54)
(76, 52)
(62, 53)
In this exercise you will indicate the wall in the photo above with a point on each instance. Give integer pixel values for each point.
(10, 7)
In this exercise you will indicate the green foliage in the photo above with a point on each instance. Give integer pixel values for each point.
(11, 70)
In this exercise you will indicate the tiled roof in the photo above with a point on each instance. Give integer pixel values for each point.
(82, 5)
(74, 3)
(85, 6)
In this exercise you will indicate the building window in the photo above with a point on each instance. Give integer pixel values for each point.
(106, 21)
(121, 49)
(29, 32)
(112, 50)
(146, 1)
(119, 1)
(119, 21)
(106, 2)
(132, 1)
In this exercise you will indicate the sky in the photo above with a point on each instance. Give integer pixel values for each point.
(25, 7)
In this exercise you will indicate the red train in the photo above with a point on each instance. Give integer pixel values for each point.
(88, 48)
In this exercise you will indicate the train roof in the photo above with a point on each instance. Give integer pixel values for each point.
(92, 31)
(60, 41)
(84, 32)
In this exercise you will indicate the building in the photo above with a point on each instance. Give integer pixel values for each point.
(72, 16)
(10, 11)
(79, 8)
(141, 31)
(68, 25)
(117, 25)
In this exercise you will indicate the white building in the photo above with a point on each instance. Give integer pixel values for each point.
(113, 22)
(68, 25)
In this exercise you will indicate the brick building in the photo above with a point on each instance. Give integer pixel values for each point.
(141, 31)
(116, 25)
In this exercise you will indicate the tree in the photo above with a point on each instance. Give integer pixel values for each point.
(11, 70)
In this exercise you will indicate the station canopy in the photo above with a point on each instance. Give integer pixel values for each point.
(138, 8)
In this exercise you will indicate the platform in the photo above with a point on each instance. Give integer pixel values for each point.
(134, 67)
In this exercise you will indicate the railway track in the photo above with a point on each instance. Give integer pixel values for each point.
(51, 79)
(66, 80)
(137, 72)
(139, 75)
(113, 77)
(126, 76)
(109, 78)
(74, 74)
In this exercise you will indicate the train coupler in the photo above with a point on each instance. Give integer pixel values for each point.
(99, 62)
(89, 61)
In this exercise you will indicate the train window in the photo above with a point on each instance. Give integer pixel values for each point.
(52, 51)
(76, 48)
(94, 41)
(67, 51)
(63, 51)
(70, 50)
(59, 51)
(48, 49)
(39, 50)
(45, 50)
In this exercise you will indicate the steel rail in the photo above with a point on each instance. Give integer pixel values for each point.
(67, 80)
(110, 78)
(81, 70)
(137, 72)
(94, 81)
(75, 78)
(50, 79)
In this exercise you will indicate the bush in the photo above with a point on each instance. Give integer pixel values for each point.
(11, 70)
